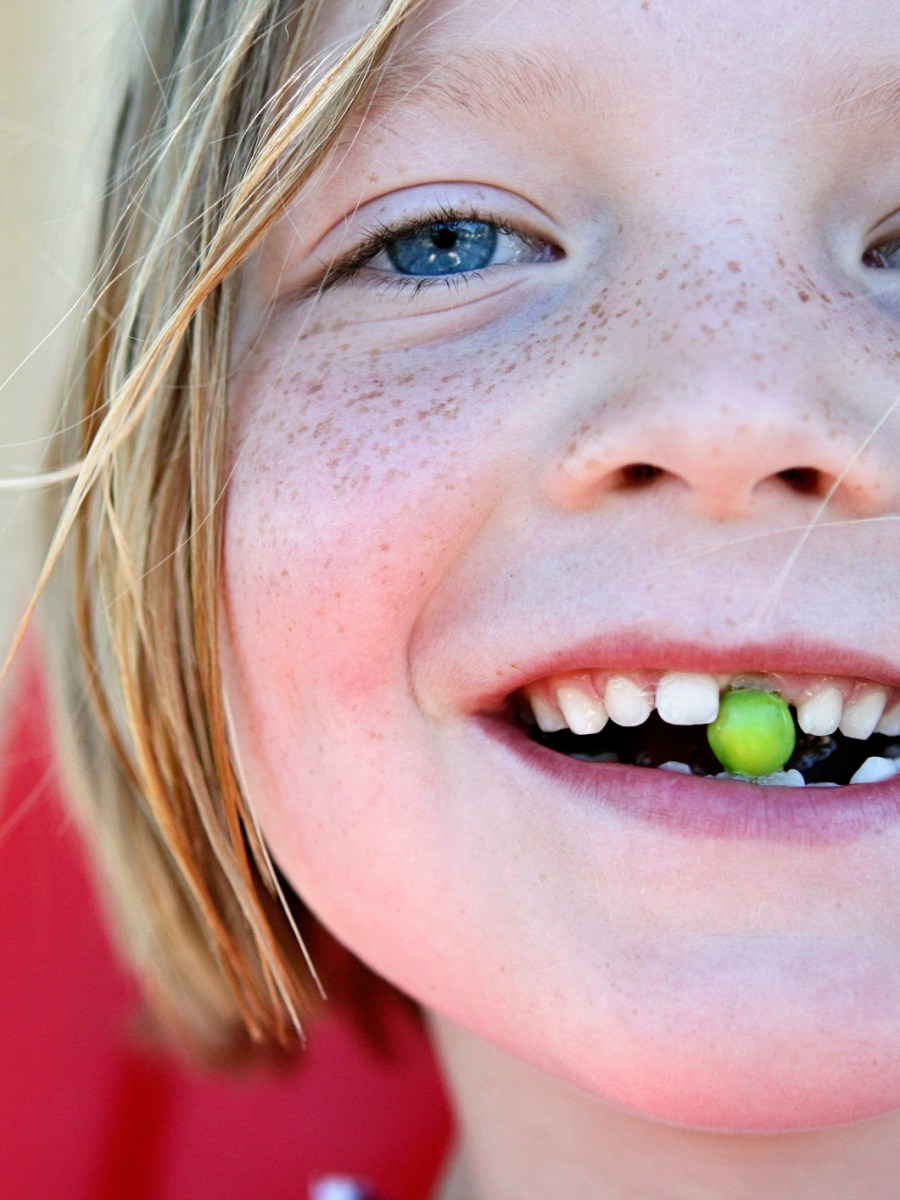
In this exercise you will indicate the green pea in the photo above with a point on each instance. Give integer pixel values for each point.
(754, 732)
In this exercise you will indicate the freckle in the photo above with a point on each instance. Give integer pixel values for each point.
(781, 261)
(804, 297)
(662, 274)
(734, 266)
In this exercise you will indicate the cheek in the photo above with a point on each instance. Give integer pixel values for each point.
(356, 478)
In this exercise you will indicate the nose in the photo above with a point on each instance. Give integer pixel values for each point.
(732, 421)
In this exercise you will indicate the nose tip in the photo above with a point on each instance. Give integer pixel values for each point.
(725, 459)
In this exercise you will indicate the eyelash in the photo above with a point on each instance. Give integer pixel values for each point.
(379, 236)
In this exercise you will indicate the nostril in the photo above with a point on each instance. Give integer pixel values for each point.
(636, 475)
(804, 480)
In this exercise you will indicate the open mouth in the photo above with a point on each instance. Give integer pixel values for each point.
(847, 731)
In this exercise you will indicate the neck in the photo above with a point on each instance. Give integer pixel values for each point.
(525, 1135)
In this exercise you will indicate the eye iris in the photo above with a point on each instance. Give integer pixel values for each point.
(753, 734)
(444, 248)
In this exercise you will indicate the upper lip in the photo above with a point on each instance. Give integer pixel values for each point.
(635, 651)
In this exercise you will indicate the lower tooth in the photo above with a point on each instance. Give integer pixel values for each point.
(874, 770)
(790, 778)
(677, 767)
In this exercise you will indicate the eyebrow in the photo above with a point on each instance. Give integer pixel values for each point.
(500, 84)
(870, 96)
(487, 84)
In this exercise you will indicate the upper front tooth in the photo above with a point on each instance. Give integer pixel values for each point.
(686, 699)
(583, 713)
(863, 713)
(820, 715)
(626, 701)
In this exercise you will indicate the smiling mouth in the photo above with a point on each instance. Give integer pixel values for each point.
(848, 730)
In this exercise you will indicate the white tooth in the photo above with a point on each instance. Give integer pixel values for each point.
(874, 770)
(686, 699)
(626, 701)
(820, 715)
(677, 767)
(792, 778)
(863, 713)
(890, 722)
(584, 714)
(548, 718)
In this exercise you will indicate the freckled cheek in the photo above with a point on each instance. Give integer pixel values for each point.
(350, 492)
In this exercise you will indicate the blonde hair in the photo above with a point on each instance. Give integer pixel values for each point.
(224, 123)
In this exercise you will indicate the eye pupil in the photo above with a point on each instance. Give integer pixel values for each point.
(444, 248)
(444, 238)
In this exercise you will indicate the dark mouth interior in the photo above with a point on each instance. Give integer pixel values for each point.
(832, 759)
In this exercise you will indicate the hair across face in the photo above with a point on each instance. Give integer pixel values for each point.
(232, 105)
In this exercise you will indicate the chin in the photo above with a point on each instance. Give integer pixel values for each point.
(785, 1081)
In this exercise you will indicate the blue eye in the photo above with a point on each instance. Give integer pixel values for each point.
(444, 248)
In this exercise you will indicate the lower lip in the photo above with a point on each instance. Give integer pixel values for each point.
(693, 806)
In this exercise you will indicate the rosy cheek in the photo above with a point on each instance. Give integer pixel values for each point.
(347, 476)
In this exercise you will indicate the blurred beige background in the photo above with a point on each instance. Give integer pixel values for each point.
(60, 62)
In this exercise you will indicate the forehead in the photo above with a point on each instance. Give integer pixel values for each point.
(831, 55)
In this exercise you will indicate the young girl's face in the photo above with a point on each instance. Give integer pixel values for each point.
(616, 396)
